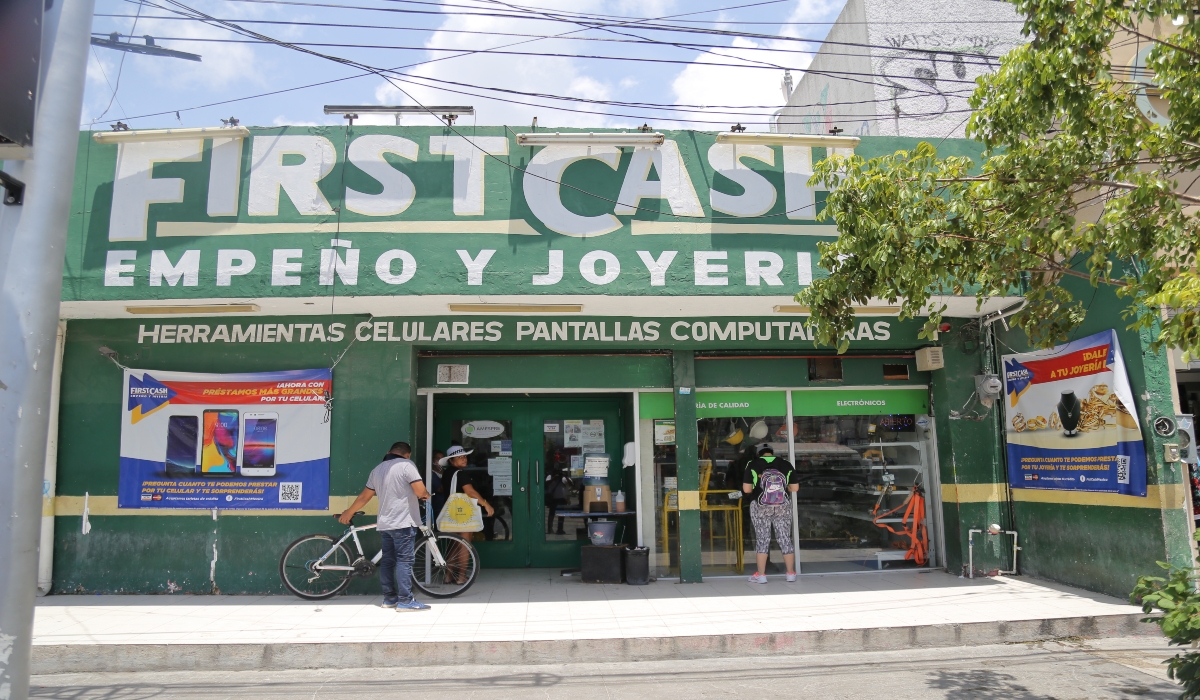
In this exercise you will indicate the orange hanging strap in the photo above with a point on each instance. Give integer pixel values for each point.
(912, 525)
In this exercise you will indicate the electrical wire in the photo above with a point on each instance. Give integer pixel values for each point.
(829, 117)
(545, 55)
(416, 80)
(686, 45)
(633, 24)
(450, 126)
(120, 69)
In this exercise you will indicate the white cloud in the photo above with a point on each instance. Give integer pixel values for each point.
(704, 84)
(546, 74)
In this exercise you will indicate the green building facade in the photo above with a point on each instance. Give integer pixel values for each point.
(583, 298)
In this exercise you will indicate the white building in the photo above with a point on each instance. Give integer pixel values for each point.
(901, 68)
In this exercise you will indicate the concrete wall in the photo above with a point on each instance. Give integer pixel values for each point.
(835, 89)
(914, 72)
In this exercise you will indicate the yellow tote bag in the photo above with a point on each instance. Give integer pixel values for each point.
(461, 513)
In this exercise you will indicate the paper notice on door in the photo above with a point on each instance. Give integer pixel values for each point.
(495, 447)
(500, 466)
(572, 433)
(506, 448)
(576, 465)
(502, 485)
(593, 436)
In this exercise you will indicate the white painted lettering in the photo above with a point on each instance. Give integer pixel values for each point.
(232, 263)
(475, 265)
(758, 196)
(135, 188)
(658, 266)
(705, 269)
(542, 184)
(366, 153)
(115, 268)
(282, 267)
(763, 266)
(224, 177)
(332, 262)
(673, 183)
(383, 267)
(554, 273)
(470, 157)
(188, 268)
(587, 266)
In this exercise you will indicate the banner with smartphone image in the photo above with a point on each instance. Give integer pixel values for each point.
(230, 441)
(1071, 420)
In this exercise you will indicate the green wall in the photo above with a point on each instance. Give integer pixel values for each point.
(374, 398)
(1095, 544)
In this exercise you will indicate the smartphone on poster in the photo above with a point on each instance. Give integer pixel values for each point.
(218, 455)
(183, 433)
(258, 444)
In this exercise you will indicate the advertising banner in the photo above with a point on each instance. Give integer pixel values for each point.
(1071, 420)
(230, 441)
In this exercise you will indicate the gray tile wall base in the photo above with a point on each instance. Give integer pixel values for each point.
(78, 658)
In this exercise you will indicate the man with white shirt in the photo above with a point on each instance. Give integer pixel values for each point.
(398, 484)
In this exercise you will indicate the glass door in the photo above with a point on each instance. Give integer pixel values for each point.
(492, 430)
(577, 471)
(531, 459)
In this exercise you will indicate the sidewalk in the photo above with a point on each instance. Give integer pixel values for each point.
(522, 616)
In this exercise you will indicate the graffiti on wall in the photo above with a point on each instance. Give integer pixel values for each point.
(927, 77)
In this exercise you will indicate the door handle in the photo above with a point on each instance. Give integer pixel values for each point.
(518, 471)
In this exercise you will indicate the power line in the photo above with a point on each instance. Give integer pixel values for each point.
(450, 126)
(640, 41)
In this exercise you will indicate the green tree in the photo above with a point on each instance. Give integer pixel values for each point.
(1176, 599)
(1075, 181)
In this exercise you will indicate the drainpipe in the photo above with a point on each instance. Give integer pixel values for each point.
(45, 577)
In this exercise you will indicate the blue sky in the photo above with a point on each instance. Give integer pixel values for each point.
(150, 84)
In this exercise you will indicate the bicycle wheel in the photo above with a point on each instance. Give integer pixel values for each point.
(505, 533)
(297, 572)
(436, 581)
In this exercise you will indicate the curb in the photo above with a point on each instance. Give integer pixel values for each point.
(80, 658)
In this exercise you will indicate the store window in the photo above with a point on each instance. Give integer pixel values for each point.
(725, 446)
(864, 481)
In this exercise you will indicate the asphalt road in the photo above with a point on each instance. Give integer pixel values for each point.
(1062, 670)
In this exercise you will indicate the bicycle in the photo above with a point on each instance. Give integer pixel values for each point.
(316, 567)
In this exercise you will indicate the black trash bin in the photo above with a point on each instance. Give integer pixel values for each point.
(637, 566)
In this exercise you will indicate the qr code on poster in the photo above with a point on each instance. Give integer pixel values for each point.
(1122, 469)
(290, 491)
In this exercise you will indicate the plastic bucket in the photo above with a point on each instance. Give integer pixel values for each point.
(602, 532)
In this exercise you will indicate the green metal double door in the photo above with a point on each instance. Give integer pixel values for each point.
(521, 450)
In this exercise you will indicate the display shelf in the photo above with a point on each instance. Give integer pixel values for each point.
(875, 466)
(857, 515)
(862, 492)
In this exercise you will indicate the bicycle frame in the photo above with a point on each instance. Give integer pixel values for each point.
(352, 533)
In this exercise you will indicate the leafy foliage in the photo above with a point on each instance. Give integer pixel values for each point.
(1178, 601)
(1075, 182)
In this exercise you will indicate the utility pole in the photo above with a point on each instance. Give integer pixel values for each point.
(33, 236)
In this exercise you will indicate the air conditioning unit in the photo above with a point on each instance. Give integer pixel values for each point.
(929, 359)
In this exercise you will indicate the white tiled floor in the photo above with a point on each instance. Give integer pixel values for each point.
(540, 604)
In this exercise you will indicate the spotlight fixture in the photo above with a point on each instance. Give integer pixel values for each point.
(589, 138)
(818, 140)
(448, 113)
(125, 135)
